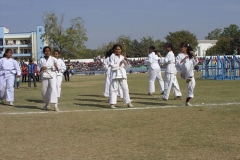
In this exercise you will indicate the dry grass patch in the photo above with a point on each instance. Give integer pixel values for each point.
(198, 132)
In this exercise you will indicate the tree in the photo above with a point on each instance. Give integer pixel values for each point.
(214, 35)
(136, 48)
(125, 41)
(223, 46)
(236, 43)
(230, 31)
(160, 46)
(176, 38)
(70, 41)
(145, 43)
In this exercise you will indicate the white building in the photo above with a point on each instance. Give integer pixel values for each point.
(203, 45)
(26, 46)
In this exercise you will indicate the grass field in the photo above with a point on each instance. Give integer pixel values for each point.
(86, 129)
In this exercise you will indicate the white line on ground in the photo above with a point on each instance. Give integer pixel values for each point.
(118, 109)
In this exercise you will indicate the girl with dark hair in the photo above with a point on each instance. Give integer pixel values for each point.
(48, 68)
(61, 69)
(118, 77)
(170, 74)
(107, 68)
(186, 61)
(9, 68)
(154, 71)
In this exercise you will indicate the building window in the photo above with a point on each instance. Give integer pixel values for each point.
(1, 41)
(40, 29)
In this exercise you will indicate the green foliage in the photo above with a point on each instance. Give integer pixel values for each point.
(230, 31)
(228, 42)
(236, 43)
(181, 36)
(70, 41)
(223, 46)
(214, 35)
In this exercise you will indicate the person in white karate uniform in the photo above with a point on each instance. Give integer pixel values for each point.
(118, 77)
(48, 69)
(107, 68)
(185, 62)
(9, 68)
(61, 68)
(154, 71)
(170, 74)
(120, 91)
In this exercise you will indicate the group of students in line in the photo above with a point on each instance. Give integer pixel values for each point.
(116, 64)
(50, 68)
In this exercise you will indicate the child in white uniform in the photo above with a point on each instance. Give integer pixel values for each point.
(9, 68)
(118, 77)
(185, 62)
(154, 71)
(48, 69)
(107, 68)
(61, 68)
(170, 74)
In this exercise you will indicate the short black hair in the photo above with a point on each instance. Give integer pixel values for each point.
(152, 48)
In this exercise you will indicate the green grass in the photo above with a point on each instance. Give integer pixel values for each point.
(92, 131)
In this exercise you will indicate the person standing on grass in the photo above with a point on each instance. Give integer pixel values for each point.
(9, 69)
(36, 73)
(61, 68)
(154, 71)
(48, 68)
(31, 74)
(170, 74)
(185, 62)
(66, 73)
(107, 69)
(119, 77)
(24, 72)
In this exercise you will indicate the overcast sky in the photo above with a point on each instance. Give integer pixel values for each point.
(105, 20)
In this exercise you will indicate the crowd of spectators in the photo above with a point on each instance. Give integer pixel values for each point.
(96, 65)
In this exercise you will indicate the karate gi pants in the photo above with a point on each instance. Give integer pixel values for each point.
(190, 87)
(153, 74)
(169, 82)
(120, 91)
(59, 84)
(106, 85)
(7, 87)
(114, 89)
(49, 90)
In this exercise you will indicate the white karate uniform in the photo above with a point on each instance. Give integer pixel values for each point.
(170, 76)
(8, 70)
(186, 70)
(120, 91)
(154, 72)
(61, 68)
(106, 63)
(49, 88)
(118, 79)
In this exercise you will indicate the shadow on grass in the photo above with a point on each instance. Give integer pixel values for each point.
(35, 100)
(159, 103)
(91, 100)
(27, 107)
(98, 95)
(142, 94)
(93, 105)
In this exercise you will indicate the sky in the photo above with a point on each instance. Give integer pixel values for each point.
(105, 20)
